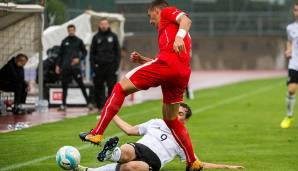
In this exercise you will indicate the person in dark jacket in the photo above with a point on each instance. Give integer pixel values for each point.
(12, 79)
(72, 52)
(105, 60)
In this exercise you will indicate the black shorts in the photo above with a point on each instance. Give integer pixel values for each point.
(68, 74)
(292, 76)
(145, 154)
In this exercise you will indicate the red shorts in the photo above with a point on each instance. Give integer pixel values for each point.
(171, 75)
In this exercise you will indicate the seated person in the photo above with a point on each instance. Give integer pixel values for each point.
(152, 152)
(12, 79)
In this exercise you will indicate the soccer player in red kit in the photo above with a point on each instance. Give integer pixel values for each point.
(170, 69)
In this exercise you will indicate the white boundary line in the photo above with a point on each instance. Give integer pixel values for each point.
(203, 109)
(85, 146)
(34, 161)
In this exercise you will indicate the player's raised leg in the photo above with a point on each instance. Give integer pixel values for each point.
(140, 78)
(123, 154)
(111, 108)
(123, 157)
(109, 146)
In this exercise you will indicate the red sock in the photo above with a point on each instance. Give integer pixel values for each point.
(110, 109)
(182, 137)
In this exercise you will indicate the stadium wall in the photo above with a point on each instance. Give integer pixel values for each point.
(223, 53)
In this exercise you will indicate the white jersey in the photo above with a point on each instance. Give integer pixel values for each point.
(158, 137)
(292, 32)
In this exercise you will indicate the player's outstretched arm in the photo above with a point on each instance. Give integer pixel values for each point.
(136, 57)
(126, 127)
(220, 166)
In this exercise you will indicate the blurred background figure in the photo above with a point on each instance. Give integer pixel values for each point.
(292, 56)
(105, 60)
(12, 79)
(49, 66)
(72, 52)
(189, 93)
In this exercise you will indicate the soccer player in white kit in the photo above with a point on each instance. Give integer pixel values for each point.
(292, 54)
(153, 151)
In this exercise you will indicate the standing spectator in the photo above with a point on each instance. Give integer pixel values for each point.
(105, 60)
(291, 54)
(71, 54)
(12, 79)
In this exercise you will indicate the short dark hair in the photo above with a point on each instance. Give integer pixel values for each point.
(158, 4)
(21, 55)
(103, 19)
(188, 110)
(71, 26)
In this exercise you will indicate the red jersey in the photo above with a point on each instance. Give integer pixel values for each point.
(167, 30)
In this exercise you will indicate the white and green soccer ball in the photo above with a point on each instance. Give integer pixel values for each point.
(68, 158)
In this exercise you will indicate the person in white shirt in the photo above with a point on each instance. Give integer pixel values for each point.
(153, 151)
(291, 53)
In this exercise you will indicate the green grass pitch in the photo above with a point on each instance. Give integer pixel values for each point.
(237, 124)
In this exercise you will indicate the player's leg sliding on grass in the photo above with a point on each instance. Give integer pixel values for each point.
(170, 70)
(143, 166)
(291, 54)
(153, 151)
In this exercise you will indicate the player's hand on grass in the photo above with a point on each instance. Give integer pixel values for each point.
(179, 45)
(235, 167)
(136, 57)
(220, 166)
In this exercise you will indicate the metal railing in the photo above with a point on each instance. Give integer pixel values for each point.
(221, 24)
(218, 23)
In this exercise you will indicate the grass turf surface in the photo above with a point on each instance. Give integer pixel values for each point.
(237, 124)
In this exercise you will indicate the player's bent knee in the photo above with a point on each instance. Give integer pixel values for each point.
(292, 89)
(292, 93)
(128, 86)
(127, 153)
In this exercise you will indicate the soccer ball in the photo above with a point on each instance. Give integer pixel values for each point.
(68, 158)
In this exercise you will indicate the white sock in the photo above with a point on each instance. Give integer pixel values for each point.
(115, 157)
(108, 167)
(290, 104)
